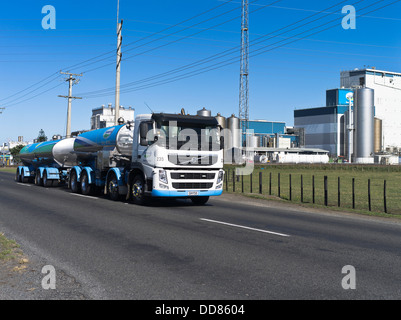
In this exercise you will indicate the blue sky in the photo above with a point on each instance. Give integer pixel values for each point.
(286, 75)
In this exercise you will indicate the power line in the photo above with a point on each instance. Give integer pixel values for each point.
(165, 36)
(185, 67)
(39, 94)
(218, 55)
(107, 53)
(230, 61)
(71, 81)
(144, 38)
(31, 86)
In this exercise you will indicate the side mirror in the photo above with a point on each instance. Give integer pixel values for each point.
(143, 131)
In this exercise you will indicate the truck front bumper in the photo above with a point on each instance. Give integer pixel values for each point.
(186, 193)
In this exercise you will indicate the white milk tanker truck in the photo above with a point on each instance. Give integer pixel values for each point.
(159, 155)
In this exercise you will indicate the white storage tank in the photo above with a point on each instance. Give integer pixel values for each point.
(204, 113)
(364, 125)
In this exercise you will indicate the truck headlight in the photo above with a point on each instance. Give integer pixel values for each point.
(163, 176)
(220, 177)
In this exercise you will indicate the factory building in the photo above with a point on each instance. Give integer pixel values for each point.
(387, 91)
(324, 126)
(329, 128)
(103, 117)
(265, 141)
(266, 134)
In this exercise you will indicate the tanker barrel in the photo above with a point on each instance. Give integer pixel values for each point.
(38, 154)
(120, 137)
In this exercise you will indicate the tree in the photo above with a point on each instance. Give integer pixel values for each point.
(42, 136)
(15, 151)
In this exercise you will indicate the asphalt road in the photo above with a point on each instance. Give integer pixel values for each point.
(232, 248)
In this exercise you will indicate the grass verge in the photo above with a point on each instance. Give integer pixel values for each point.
(370, 190)
(9, 249)
(8, 169)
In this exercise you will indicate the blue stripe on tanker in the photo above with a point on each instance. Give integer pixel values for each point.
(97, 139)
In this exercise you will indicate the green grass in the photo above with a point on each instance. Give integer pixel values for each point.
(361, 174)
(8, 169)
(9, 249)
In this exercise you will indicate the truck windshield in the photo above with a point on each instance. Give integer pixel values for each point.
(188, 136)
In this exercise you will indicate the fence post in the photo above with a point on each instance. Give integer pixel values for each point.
(234, 180)
(302, 188)
(270, 184)
(278, 184)
(369, 199)
(242, 183)
(339, 196)
(313, 189)
(325, 191)
(384, 196)
(290, 191)
(226, 178)
(251, 183)
(353, 193)
(260, 182)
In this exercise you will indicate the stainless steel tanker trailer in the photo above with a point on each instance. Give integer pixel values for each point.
(135, 161)
(45, 163)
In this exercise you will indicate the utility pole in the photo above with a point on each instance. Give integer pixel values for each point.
(244, 83)
(71, 81)
(118, 66)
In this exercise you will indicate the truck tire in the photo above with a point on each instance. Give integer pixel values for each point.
(113, 190)
(199, 201)
(23, 178)
(38, 179)
(47, 183)
(138, 190)
(17, 176)
(86, 188)
(74, 184)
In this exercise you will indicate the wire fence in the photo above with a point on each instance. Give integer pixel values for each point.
(374, 189)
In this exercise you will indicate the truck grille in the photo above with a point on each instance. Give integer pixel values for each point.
(192, 185)
(193, 160)
(192, 176)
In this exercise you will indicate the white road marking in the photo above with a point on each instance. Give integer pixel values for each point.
(84, 196)
(248, 228)
(23, 184)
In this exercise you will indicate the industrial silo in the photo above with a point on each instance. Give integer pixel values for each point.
(364, 125)
(265, 141)
(233, 124)
(348, 134)
(378, 142)
(234, 151)
(221, 120)
(252, 141)
(204, 113)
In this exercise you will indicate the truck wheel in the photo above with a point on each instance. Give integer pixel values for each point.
(24, 179)
(138, 190)
(17, 176)
(74, 184)
(86, 188)
(38, 179)
(46, 182)
(112, 187)
(199, 201)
